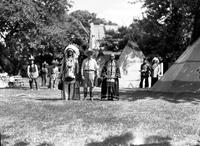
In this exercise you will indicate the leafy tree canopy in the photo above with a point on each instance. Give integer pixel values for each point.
(167, 27)
(31, 27)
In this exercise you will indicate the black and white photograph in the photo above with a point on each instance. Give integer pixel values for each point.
(99, 72)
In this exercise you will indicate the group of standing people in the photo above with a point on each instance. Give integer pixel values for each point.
(71, 75)
(51, 71)
(151, 71)
(70, 70)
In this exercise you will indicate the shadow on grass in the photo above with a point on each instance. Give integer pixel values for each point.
(134, 95)
(114, 141)
(21, 143)
(49, 99)
(46, 144)
(126, 139)
(3, 136)
(18, 88)
(154, 144)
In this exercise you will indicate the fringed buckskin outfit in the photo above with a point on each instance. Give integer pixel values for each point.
(110, 84)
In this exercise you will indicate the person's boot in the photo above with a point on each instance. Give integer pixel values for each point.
(91, 95)
(85, 94)
(31, 84)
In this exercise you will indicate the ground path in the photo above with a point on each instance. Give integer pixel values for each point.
(40, 118)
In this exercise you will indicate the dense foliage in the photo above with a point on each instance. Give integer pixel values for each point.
(167, 27)
(44, 27)
(31, 27)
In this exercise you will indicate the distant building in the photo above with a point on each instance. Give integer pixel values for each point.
(111, 27)
(98, 33)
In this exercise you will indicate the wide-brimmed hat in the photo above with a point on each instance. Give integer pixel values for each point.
(44, 63)
(31, 58)
(89, 52)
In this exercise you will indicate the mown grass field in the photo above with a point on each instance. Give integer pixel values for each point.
(40, 118)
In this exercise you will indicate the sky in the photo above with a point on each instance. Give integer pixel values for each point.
(117, 11)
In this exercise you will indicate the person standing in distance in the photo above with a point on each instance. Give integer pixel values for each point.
(110, 84)
(145, 71)
(32, 72)
(44, 73)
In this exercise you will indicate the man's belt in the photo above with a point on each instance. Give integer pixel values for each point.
(88, 70)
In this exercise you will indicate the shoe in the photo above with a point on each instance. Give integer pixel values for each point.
(110, 99)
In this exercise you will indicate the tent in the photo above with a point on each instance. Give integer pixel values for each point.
(130, 61)
(184, 74)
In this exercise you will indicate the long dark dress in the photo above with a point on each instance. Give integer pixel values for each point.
(110, 84)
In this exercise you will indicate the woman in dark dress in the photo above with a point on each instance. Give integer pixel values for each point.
(110, 84)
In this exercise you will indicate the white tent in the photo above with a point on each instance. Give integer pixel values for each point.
(129, 62)
(184, 74)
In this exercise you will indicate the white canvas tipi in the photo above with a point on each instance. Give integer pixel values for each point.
(129, 62)
(184, 74)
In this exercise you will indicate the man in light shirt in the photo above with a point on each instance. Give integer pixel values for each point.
(89, 72)
(155, 71)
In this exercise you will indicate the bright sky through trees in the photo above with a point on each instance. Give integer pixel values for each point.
(118, 11)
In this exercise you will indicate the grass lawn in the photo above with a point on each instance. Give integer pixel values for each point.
(39, 118)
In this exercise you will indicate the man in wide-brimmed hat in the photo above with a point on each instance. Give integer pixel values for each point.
(89, 70)
(32, 72)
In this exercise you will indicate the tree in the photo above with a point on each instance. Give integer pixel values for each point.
(26, 24)
(168, 27)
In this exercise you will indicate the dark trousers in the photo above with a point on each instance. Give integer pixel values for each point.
(154, 80)
(146, 81)
(44, 79)
(86, 91)
(31, 83)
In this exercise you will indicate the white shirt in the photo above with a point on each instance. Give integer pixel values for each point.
(89, 64)
(156, 71)
(32, 74)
